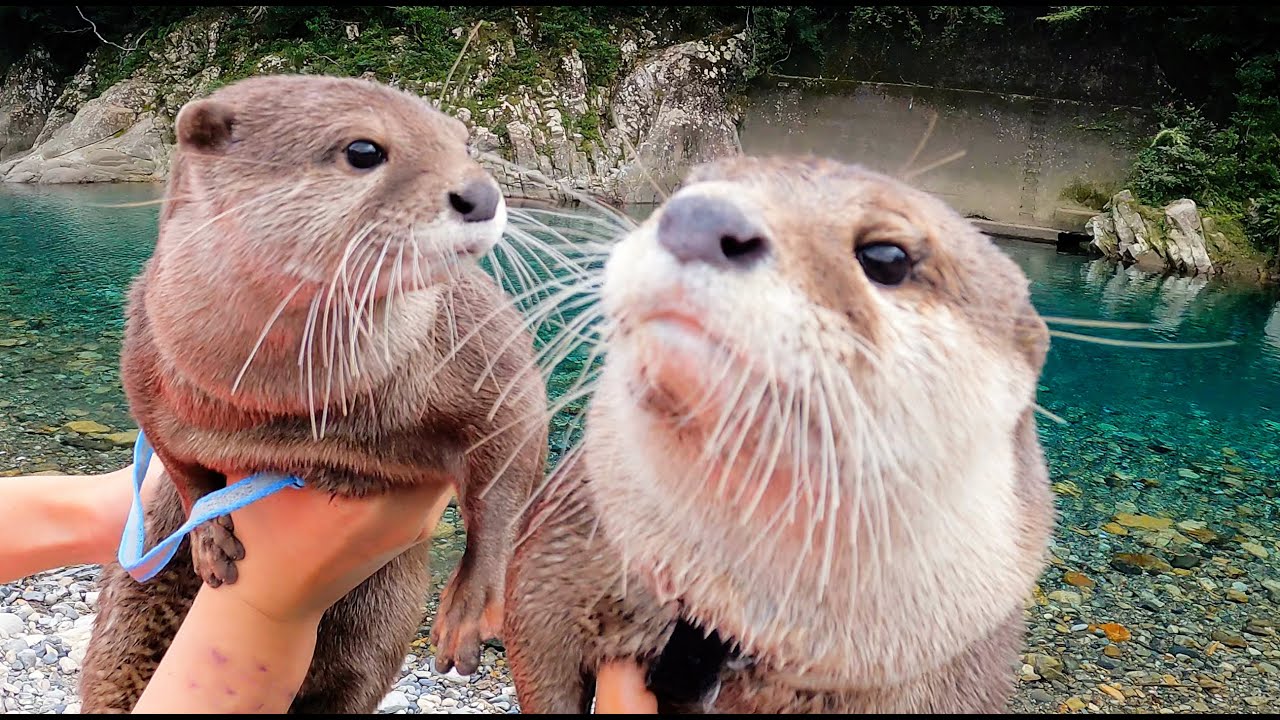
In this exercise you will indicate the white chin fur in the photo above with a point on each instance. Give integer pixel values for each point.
(448, 235)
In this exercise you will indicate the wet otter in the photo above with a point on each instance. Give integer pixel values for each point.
(312, 308)
(811, 480)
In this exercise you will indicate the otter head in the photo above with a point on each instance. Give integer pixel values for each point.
(810, 418)
(311, 201)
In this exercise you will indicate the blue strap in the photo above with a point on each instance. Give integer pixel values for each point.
(142, 567)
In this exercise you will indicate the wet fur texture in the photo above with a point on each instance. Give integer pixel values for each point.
(842, 478)
(260, 338)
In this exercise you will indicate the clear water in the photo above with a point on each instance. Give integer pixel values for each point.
(1142, 422)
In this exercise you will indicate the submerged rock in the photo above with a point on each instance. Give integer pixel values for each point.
(1136, 563)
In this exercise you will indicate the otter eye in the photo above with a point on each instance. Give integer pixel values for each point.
(365, 154)
(884, 263)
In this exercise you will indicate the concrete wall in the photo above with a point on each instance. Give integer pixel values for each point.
(1020, 152)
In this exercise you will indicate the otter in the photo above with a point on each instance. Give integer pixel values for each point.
(810, 479)
(313, 308)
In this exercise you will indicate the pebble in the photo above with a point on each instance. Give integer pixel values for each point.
(1066, 597)
(393, 702)
(1255, 550)
(10, 625)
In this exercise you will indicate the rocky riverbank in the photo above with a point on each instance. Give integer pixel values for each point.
(1140, 613)
(1177, 238)
(670, 106)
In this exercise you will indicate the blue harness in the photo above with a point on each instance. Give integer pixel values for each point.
(144, 566)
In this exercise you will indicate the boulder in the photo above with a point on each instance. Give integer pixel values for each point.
(1186, 241)
(112, 138)
(29, 92)
(674, 110)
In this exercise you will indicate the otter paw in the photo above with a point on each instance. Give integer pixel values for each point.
(466, 618)
(215, 550)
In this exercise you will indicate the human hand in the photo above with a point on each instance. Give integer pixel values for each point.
(305, 549)
(246, 647)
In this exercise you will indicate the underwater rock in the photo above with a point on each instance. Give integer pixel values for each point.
(1144, 522)
(1136, 563)
(122, 439)
(1229, 639)
(85, 427)
(1077, 579)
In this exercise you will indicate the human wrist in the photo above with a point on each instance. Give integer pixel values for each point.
(268, 603)
(104, 509)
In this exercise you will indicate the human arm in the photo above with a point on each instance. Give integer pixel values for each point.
(52, 521)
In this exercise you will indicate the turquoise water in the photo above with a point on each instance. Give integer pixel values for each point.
(1136, 417)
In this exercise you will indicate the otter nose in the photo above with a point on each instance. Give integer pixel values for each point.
(478, 201)
(713, 230)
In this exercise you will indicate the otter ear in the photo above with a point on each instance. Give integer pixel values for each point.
(205, 125)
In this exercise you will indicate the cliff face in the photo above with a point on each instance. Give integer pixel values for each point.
(26, 98)
(670, 107)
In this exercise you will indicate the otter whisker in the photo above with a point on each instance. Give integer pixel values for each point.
(539, 177)
(308, 341)
(716, 440)
(745, 426)
(924, 140)
(1045, 412)
(567, 398)
(266, 328)
(1145, 345)
(1084, 322)
(397, 280)
(946, 160)
(480, 326)
(567, 334)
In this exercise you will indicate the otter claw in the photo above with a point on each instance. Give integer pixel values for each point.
(215, 550)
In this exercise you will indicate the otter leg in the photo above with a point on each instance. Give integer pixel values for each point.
(364, 637)
(546, 653)
(471, 603)
(214, 545)
(136, 622)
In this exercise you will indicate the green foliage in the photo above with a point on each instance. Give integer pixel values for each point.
(778, 32)
(1233, 165)
(1088, 194)
(1068, 14)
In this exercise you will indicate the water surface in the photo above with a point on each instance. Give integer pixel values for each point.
(1142, 422)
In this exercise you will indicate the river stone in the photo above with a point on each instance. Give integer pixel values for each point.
(1186, 246)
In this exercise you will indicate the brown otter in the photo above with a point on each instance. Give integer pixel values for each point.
(810, 480)
(312, 309)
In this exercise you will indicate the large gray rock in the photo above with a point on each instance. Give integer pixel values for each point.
(1137, 241)
(28, 94)
(1182, 242)
(126, 134)
(74, 95)
(1103, 231)
(1185, 234)
(112, 138)
(674, 110)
